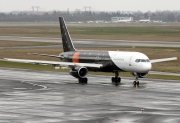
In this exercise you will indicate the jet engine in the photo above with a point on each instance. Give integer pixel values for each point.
(140, 75)
(79, 72)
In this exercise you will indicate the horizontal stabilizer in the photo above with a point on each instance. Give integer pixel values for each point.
(163, 60)
(44, 55)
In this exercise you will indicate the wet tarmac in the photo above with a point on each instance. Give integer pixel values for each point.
(28, 96)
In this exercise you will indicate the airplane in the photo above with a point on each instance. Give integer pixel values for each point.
(82, 61)
(145, 20)
(122, 19)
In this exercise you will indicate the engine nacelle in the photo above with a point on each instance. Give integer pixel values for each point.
(140, 75)
(79, 72)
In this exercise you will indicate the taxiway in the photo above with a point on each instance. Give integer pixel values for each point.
(40, 96)
(92, 42)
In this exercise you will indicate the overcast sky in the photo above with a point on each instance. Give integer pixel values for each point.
(96, 5)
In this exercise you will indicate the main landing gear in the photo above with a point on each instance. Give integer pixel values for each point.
(136, 82)
(83, 80)
(116, 80)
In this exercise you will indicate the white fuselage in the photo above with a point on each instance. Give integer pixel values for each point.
(145, 21)
(131, 61)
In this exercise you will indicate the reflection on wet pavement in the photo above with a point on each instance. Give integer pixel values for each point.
(36, 96)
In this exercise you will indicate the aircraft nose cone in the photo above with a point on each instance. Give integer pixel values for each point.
(147, 67)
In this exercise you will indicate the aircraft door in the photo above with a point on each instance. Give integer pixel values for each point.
(133, 65)
(130, 61)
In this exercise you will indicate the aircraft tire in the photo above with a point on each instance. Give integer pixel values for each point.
(136, 83)
(116, 80)
(83, 80)
(119, 79)
(113, 79)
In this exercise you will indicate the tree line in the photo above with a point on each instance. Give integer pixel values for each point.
(165, 16)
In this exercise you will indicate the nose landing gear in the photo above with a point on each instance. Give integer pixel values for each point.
(116, 80)
(136, 82)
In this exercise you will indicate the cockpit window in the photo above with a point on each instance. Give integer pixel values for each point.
(147, 60)
(142, 60)
(137, 60)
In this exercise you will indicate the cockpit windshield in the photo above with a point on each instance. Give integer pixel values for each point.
(142, 60)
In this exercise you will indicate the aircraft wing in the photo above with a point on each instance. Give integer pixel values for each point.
(53, 63)
(163, 60)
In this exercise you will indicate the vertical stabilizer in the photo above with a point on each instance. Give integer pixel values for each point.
(66, 39)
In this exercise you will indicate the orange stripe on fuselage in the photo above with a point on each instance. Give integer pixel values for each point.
(75, 57)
